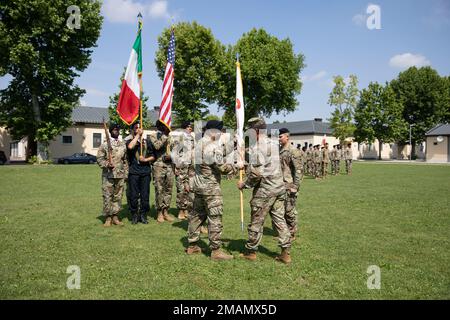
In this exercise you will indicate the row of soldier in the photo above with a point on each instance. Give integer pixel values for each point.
(275, 178)
(317, 159)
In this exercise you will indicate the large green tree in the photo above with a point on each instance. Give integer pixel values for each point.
(199, 58)
(378, 115)
(424, 95)
(345, 98)
(270, 76)
(43, 55)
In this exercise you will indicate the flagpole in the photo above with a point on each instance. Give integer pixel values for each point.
(140, 90)
(241, 171)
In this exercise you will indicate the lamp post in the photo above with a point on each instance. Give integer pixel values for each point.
(410, 144)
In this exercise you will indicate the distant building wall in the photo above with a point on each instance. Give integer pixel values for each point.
(437, 152)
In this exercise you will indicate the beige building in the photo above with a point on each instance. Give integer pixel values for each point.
(438, 142)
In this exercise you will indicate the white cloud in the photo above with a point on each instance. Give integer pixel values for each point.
(317, 76)
(96, 92)
(126, 11)
(83, 103)
(406, 60)
(359, 19)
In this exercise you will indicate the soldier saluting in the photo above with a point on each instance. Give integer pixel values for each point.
(112, 158)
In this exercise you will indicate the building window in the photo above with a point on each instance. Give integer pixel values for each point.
(14, 149)
(96, 140)
(66, 139)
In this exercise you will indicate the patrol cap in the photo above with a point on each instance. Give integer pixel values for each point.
(283, 131)
(256, 123)
(113, 126)
(185, 124)
(214, 124)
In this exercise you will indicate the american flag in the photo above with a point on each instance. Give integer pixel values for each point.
(165, 110)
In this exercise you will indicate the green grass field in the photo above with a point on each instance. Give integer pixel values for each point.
(396, 216)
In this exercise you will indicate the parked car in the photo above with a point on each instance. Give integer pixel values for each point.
(3, 158)
(78, 158)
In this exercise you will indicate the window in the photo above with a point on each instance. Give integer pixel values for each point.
(96, 140)
(67, 139)
(14, 149)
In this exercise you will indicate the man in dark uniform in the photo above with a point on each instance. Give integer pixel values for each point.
(139, 174)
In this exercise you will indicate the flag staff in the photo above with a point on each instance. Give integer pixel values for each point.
(139, 16)
(238, 69)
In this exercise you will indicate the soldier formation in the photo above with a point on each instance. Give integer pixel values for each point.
(274, 170)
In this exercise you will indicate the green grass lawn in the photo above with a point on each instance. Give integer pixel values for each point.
(396, 216)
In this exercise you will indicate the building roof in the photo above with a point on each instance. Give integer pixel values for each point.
(95, 115)
(315, 126)
(439, 130)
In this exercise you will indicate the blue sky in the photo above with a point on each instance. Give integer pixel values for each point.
(332, 35)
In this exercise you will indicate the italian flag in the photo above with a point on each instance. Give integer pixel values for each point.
(129, 99)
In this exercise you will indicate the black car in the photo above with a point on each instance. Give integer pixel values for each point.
(78, 158)
(3, 159)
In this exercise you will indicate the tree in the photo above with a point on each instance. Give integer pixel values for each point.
(270, 76)
(198, 60)
(344, 98)
(114, 116)
(43, 56)
(378, 115)
(424, 96)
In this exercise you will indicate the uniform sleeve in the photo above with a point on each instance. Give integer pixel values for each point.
(253, 176)
(125, 162)
(158, 144)
(102, 157)
(298, 168)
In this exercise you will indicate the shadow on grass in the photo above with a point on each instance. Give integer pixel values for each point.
(202, 244)
(238, 245)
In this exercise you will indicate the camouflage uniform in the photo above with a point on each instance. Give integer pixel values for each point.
(183, 156)
(269, 194)
(317, 159)
(208, 199)
(339, 157)
(310, 162)
(291, 166)
(325, 161)
(162, 170)
(348, 154)
(333, 160)
(113, 179)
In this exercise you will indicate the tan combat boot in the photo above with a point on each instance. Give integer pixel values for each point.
(249, 255)
(167, 216)
(182, 215)
(107, 222)
(204, 229)
(116, 221)
(160, 218)
(193, 249)
(218, 254)
(284, 257)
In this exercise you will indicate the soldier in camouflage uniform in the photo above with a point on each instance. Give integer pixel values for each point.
(183, 157)
(333, 160)
(348, 155)
(162, 171)
(317, 159)
(114, 174)
(264, 175)
(292, 170)
(208, 200)
(310, 160)
(339, 157)
(325, 160)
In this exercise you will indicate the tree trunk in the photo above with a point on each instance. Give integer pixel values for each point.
(413, 150)
(41, 146)
(380, 145)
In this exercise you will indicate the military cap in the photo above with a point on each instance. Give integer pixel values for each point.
(113, 126)
(283, 131)
(256, 123)
(214, 124)
(186, 124)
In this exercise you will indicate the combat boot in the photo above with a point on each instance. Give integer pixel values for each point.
(204, 229)
(143, 219)
(284, 257)
(160, 218)
(193, 249)
(218, 254)
(107, 222)
(167, 216)
(116, 221)
(134, 219)
(249, 255)
(182, 215)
